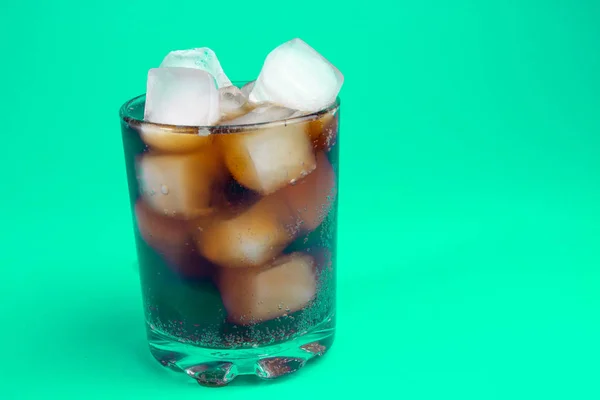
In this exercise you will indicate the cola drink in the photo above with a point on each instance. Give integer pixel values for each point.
(235, 227)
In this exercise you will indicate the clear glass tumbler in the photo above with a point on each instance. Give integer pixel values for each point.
(235, 228)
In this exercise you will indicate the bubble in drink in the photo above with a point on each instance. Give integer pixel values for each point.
(181, 96)
(296, 76)
(253, 295)
(201, 58)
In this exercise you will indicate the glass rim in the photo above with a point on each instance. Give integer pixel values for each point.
(127, 117)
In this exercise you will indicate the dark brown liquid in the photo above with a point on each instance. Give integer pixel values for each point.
(210, 228)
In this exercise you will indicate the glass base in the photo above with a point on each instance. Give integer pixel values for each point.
(218, 367)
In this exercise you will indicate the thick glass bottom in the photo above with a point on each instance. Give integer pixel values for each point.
(218, 367)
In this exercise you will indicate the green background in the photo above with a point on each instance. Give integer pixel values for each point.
(470, 194)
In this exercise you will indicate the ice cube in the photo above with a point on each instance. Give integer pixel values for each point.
(296, 76)
(181, 96)
(249, 238)
(253, 295)
(172, 240)
(312, 197)
(247, 88)
(200, 58)
(232, 102)
(171, 141)
(269, 158)
(181, 185)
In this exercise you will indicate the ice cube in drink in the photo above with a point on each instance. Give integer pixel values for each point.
(267, 159)
(181, 185)
(253, 295)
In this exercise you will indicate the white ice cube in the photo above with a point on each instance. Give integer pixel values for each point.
(232, 102)
(200, 58)
(181, 96)
(247, 88)
(296, 76)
